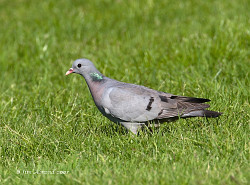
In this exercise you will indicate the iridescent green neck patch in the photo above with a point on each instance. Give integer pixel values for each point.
(96, 76)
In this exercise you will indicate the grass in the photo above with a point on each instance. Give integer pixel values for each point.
(48, 122)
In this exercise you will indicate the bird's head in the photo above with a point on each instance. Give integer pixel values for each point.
(81, 66)
(85, 68)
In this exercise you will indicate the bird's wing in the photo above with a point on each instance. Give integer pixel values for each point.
(135, 103)
(131, 103)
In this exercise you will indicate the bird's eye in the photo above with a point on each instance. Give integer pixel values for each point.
(79, 65)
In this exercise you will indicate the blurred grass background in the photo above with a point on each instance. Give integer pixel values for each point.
(49, 121)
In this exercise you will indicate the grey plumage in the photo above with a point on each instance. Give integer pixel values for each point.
(135, 106)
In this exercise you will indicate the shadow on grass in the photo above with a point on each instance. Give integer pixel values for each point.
(111, 129)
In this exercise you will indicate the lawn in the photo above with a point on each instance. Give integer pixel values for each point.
(52, 133)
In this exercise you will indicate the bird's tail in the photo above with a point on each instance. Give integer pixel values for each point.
(202, 113)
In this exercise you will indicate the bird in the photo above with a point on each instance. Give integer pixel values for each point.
(136, 106)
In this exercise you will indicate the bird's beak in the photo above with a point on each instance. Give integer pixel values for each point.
(69, 71)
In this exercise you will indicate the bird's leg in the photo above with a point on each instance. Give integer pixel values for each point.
(133, 127)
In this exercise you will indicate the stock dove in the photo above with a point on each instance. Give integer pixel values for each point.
(135, 106)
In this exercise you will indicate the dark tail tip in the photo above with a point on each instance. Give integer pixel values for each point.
(190, 99)
(212, 114)
(197, 100)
